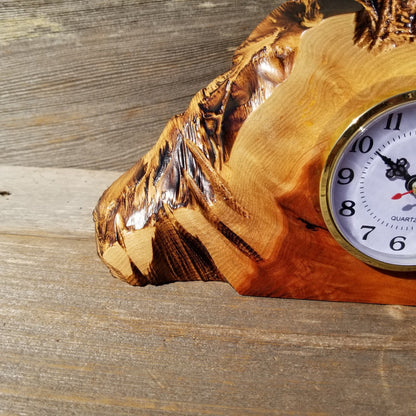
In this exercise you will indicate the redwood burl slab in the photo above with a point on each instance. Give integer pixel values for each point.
(230, 191)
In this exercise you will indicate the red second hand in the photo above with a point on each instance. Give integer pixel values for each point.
(398, 196)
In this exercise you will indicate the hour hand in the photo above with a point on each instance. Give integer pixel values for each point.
(398, 169)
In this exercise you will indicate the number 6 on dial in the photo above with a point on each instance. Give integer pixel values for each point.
(368, 186)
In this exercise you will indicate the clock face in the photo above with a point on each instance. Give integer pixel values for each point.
(368, 189)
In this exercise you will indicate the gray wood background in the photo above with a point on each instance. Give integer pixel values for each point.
(91, 84)
(85, 89)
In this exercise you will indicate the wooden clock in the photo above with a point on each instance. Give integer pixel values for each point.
(293, 174)
(362, 174)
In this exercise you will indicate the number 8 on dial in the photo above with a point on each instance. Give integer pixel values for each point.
(368, 186)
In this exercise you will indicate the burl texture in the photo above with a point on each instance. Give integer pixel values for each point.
(231, 189)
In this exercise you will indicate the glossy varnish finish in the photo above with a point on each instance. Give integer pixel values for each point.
(231, 189)
(184, 169)
(75, 341)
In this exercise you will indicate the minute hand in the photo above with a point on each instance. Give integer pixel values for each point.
(396, 169)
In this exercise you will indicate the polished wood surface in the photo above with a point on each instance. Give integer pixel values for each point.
(231, 189)
(73, 340)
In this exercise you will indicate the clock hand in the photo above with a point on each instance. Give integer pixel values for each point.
(398, 196)
(411, 191)
(396, 169)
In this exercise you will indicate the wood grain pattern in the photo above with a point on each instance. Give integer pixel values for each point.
(74, 341)
(385, 24)
(230, 187)
(92, 84)
(184, 169)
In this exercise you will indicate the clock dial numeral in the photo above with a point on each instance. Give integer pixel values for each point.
(397, 244)
(347, 208)
(363, 144)
(368, 173)
(345, 176)
(393, 119)
(369, 228)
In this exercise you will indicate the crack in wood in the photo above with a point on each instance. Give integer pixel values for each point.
(311, 226)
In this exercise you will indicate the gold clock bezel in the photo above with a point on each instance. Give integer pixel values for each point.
(335, 153)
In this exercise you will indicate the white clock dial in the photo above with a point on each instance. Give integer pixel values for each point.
(369, 185)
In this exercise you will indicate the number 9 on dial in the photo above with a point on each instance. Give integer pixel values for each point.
(368, 186)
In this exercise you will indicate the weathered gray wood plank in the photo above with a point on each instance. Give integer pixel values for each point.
(32, 193)
(92, 84)
(73, 340)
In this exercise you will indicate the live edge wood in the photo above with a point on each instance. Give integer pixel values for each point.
(74, 341)
(231, 189)
(83, 78)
